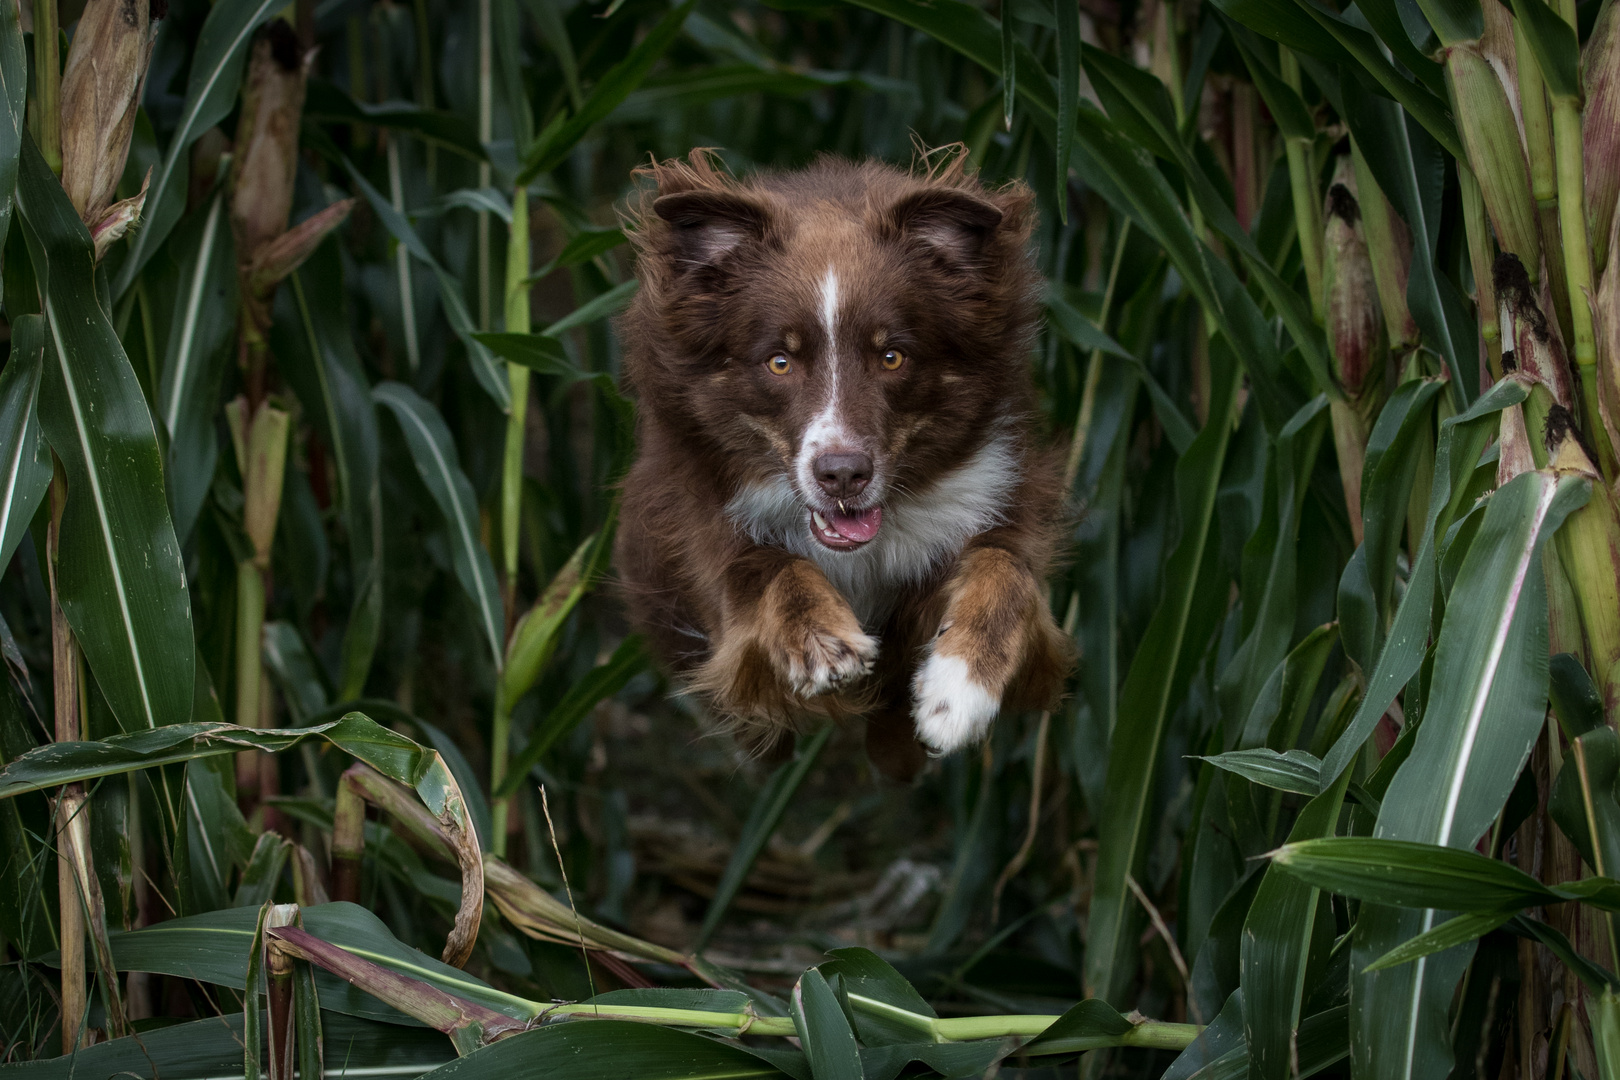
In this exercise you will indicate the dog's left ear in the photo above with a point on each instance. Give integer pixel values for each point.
(955, 224)
(708, 225)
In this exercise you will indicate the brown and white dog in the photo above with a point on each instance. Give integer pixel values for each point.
(839, 507)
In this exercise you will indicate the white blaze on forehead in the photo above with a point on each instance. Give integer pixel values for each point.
(826, 432)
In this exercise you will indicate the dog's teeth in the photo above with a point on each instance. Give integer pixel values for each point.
(821, 522)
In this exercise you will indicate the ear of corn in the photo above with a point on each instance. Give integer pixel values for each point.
(1600, 127)
(101, 93)
(1490, 135)
(1355, 327)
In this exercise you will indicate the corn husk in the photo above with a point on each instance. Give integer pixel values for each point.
(101, 92)
(1600, 128)
(1389, 245)
(260, 437)
(1355, 327)
(265, 161)
(1529, 342)
(1589, 549)
(1490, 135)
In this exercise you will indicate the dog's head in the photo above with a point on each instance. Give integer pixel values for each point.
(852, 329)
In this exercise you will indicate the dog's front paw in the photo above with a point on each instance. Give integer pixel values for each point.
(827, 660)
(952, 708)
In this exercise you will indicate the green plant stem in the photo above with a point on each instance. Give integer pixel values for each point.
(1478, 230)
(424, 86)
(1307, 204)
(1566, 119)
(1543, 171)
(48, 84)
(486, 129)
(249, 630)
(517, 322)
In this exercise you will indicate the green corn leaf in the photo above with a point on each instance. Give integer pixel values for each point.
(324, 100)
(1262, 662)
(199, 344)
(507, 30)
(1555, 46)
(1068, 90)
(13, 99)
(214, 947)
(824, 1030)
(1068, 323)
(25, 460)
(1287, 108)
(262, 873)
(1294, 770)
(1462, 439)
(888, 1009)
(1384, 17)
(1137, 99)
(489, 374)
(1596, 979)
(434, 452)
(1575, 699)
(1405, 422)
(763, 818)
(214, 1048)
(946, 1059)
(548, 19)
(315, 352)
(1409, 166)
(121, 582)
(1411, 874)
(1088, 1019)
(1583, 798)
(597, 685)
(1009, 65)
(1458, 930)
(1485, 708)
(534, 638)
(558, 141)
(1174, 635)
(211, 89)
(608, 1050)
(1287, 929)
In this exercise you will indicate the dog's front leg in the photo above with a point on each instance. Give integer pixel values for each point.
(788, 636)
(997, 640)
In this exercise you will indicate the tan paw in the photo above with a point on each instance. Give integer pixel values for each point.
(826, 660)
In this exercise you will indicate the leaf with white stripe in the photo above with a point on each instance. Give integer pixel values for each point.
(195, 355)
(119, 576)
(434, 453)
(1486, 705)
(216, 75)
(25, 462)
(313, 348)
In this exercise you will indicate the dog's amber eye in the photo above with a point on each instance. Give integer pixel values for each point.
(779, 364)
(893, 359)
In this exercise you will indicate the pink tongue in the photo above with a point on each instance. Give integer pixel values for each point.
(860, 526)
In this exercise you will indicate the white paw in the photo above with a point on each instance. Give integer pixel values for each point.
(952, 709)
(828, 661)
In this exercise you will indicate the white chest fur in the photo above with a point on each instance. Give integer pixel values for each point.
(920, 530)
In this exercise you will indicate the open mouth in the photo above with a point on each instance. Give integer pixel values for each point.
(844, 530)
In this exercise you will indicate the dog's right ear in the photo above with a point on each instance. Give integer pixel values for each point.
(707, 226)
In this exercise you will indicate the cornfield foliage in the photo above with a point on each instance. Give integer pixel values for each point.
(309, 430)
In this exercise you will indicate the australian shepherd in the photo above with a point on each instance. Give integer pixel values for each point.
(840, 507)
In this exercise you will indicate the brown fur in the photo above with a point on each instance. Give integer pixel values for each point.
(930, 263)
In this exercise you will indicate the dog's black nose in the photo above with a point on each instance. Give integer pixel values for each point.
(843, 476)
